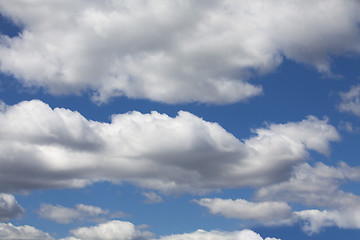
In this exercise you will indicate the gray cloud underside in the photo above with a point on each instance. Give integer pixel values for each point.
(9, 208)
(171, 51)
(57, 148)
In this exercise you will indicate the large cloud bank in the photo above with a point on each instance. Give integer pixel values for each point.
(171, 51)
(58, 148)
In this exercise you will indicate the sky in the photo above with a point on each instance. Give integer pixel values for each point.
(173, 120)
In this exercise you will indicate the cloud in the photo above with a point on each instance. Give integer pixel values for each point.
(173, 52)
(217, 235)
(9, 208)
(309, 186)
(350, 101)
(315, 220)
(318, 185)
(152, 197)
(81, 212)
(184, 153)
(11, 232)
(268, 213)
(113, 230)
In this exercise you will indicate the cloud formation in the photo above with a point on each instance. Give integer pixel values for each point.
(309, 186)
(350, 101)
(268, 213)
(217, 235)
(153, 150)
(80, 212)
(319, 186)
(11, 232)
(9, 208)
(173, 52)
(113, 230)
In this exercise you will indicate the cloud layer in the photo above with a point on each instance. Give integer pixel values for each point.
(178, 51)
(58, 148)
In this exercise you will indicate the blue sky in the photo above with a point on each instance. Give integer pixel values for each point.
(226, 120)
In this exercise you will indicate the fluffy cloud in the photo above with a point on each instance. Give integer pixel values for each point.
(177, 51)
(315, 220)
(351, 101)
(81, 212)
(217, 235)
(268, 213)
(11, 232)
(49, 148)
(9, 208)
(318, 185)
(113, 230)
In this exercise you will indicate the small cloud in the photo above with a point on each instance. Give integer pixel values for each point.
(80, 212)
(152, 197)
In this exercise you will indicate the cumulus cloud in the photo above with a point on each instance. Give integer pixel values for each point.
(113, 230)
(9, 208)
(11, 232)
(80, 212)
(268, 213)
(217, 235)
(318, 185)
(177, 51)
(315, 220)
(350, 101)
(49, 148)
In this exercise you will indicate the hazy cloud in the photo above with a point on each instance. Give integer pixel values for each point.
(177, 51)
(152, 197)
(80, 212)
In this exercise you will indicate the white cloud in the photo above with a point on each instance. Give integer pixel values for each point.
(177, 51)
(152, 197)
(185, 153)
(113, 230)
(217, 235)
(268, 213)
(11, 232)
(350, 101)
(315, 220)
(9, 208)
(318, 185)
(80, 212)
